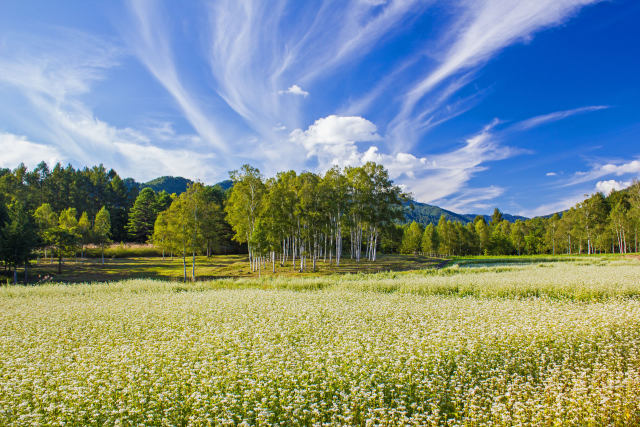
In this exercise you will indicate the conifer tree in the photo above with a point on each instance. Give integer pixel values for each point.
(143, 216)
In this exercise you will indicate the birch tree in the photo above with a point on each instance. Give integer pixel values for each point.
(244, 205)
(102, 229)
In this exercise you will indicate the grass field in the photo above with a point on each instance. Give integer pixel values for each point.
(208, 268)
(521, 341)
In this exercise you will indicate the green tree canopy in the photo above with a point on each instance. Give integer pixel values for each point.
(102, 229)
(143, 215)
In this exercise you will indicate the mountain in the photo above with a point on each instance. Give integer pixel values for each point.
(226, 184)
(428, 214)
(424, 214)
(170, 184)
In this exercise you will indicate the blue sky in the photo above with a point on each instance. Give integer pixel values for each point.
(470, 104)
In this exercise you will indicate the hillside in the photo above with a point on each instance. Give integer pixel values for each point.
(170, 184)
(428, 214)
(226, 184)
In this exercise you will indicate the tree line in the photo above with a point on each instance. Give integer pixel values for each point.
(599, 224)
(58, 212)
(295, 219)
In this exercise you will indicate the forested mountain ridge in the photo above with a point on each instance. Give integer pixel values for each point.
(171, 184)
(425, 214)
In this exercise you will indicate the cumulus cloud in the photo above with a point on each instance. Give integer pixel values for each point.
(607, 187)
(333, 139)
(294, 90)
(551, 174)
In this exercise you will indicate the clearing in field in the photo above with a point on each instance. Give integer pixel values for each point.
(209, 268)
(542, 343)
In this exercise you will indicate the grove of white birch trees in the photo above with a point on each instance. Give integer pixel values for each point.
(298, 219)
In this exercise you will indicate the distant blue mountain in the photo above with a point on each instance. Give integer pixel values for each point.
(226, 184)
(424, 214)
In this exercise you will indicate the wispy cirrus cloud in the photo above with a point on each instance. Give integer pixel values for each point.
(258, 52)
(555, 116)
(245, 89)
(599, 170)
(482, 30)
(471, 200)
(251, 69)
(149, 37)
(557, 206)
(52, 75)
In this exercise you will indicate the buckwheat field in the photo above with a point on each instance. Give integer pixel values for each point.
(543, 344)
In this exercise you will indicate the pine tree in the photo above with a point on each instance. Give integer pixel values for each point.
(142, 216)
(19, 238)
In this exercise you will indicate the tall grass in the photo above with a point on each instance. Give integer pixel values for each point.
(124, 250)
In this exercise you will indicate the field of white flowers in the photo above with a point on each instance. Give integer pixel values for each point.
(555, 343)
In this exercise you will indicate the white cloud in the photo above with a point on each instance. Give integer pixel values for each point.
(601, 170)
(471, 200)
(147, 37)
(606, 187)
(551, 174)
(258, 48)
(333, 139)
(142, 161)
(51, 78)
(17, 149)
(60, 66)
(150, 161)
(449, 172)
(295, 90)
(483, 28)
(252, 56)
(555, 116)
